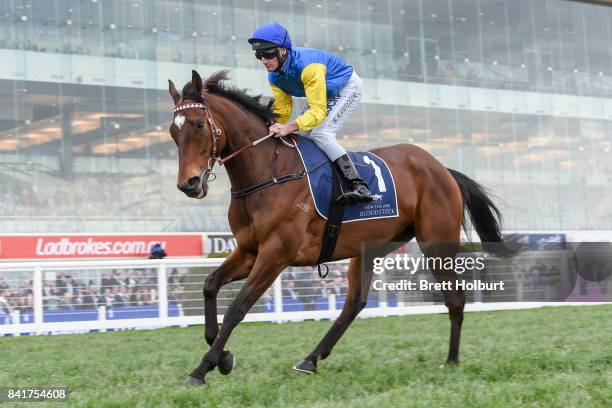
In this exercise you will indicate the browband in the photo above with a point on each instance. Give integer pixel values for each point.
(189, 106)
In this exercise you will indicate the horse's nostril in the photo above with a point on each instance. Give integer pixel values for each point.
(193, 183)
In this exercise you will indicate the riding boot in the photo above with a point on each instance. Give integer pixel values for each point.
(359, 189)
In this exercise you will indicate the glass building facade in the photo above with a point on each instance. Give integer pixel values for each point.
(514, 93)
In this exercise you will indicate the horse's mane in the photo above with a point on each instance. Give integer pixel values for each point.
(252, 103)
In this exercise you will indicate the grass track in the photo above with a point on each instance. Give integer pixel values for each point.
(544, 357)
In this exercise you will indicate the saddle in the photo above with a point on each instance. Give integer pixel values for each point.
(327, 188)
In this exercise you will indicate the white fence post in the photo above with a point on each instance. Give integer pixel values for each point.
(277, 294)
(102, 315)
(16, 319)
(181, 313)
(331, 300)
(37, 289)
(383, 305)
(162, 287)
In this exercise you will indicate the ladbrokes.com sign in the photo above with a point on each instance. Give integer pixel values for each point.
(97, 246)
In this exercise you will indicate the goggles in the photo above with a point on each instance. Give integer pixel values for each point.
(267, 54)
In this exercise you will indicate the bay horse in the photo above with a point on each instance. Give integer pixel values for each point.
(274, 229)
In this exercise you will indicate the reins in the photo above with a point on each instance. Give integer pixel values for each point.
(242, 149)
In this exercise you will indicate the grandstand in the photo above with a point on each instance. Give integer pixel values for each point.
(523, 108)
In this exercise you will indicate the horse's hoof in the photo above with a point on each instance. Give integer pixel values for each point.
(449, 363)
(305, 366)
(193, 382)
(226, 363)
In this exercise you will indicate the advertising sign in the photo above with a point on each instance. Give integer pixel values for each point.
(91, 246)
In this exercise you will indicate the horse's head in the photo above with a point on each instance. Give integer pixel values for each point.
(196, 136)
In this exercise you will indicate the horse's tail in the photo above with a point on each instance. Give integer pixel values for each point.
(484, 214)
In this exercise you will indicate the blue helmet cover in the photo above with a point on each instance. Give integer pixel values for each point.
(273, 33)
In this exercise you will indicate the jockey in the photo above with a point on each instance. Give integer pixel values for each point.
(332, 90)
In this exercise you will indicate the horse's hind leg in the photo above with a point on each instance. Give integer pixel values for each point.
(356, 299)
(454, 298)
(439, 239)
(354, 303)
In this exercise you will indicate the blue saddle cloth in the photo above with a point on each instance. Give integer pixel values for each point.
(370, 167)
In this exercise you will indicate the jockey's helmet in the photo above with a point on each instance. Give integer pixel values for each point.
(269, 36)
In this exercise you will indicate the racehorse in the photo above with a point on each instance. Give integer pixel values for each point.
(274, 229)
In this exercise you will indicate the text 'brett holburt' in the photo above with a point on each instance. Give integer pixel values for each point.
(423, 284)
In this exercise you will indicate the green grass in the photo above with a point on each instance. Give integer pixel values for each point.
(544, 357)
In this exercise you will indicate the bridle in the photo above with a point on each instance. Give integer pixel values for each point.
(215, 132)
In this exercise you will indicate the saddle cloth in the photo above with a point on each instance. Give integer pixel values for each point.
(371, 168)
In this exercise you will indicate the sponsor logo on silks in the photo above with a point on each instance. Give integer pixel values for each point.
(344, 107)
(331, 102)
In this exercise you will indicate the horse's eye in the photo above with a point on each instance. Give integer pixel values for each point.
(200, 124)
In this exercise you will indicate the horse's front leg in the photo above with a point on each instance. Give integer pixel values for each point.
(266, 269)
(236, 267)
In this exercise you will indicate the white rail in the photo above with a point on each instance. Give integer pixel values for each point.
(170, 293)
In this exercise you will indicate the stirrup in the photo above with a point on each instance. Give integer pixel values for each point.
(359, 194)
(362, 189)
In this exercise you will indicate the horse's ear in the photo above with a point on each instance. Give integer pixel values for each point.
(196, 81)
(173, 92)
